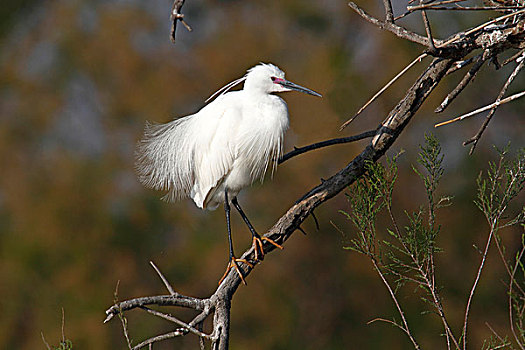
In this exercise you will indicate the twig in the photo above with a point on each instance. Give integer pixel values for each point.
(63, 326)
(411, 9)
(512, 279)
(383, 89)
(157, 339)
(504, 342)
(122, 318)
(390, 26)
(428, 30)
(513, 58)
(301, 150)
(176, 16)
(45, 342)
(475, 139)
(476, 280)
(471, 74)
(460, 65)
(164, 280)
(477, 8)
(482, 109)
(422, 6)
(398, 306)
(177, 321)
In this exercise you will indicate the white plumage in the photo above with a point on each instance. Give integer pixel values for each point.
(213, 154)
(225, 146)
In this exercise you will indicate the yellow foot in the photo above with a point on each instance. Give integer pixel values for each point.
(258, 245)
(233, 264)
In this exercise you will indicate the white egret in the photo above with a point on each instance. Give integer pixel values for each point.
(211, 155)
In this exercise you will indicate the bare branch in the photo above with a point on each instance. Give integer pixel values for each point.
(477, 8)
(159, 338)
(177, 321)
(428, 30)
(489, 116)
(161, 300)
(390, 26)
(405, 327)
(176, 16)
(482, 109)
(123, 320)
(301, 150)
(471, 74)
(383, 89)
(164, 280)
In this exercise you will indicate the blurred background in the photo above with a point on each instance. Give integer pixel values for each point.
(78, 80)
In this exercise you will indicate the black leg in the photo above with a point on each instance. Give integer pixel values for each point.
(257, 239)
(233, 260)
(245, 218)
(228, 224)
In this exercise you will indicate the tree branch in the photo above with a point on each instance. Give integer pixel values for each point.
(301, 150)
(390, 26)
(176, 16)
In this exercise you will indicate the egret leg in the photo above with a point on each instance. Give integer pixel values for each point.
(233, 260)
(257, 239)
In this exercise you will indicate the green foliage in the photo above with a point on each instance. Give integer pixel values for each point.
(64, 345)
(503, 182)
(410, 250)
(406, 255)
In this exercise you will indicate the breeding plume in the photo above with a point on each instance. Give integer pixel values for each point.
(211, 155)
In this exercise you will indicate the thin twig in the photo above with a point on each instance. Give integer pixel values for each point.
(301, 150)
(504, 342)
(45, 342)
(383, 89)
(390, 26)
(425, 6)
(411, 9)
(475, 139)
(471, 74)
(428, 30)
(176, 16)
(476, 280)
(477, 8)
(158, 338)
(122, 318)
(482, 109)
(512, 278)
(396, 303)
(460, 65)
(177, 321)
(513, 58)
(164, 280)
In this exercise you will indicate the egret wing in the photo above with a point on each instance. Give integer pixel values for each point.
(164, 157)
(214, 153)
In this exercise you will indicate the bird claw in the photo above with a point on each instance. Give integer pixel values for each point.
(258, 246)
(233, 264)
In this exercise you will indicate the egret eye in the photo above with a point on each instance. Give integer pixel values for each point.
(273, 78)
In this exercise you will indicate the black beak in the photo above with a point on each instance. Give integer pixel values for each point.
(290, 85)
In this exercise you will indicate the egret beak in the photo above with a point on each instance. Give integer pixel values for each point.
(292, 86)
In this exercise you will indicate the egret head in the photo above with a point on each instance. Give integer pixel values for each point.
(267, 78)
